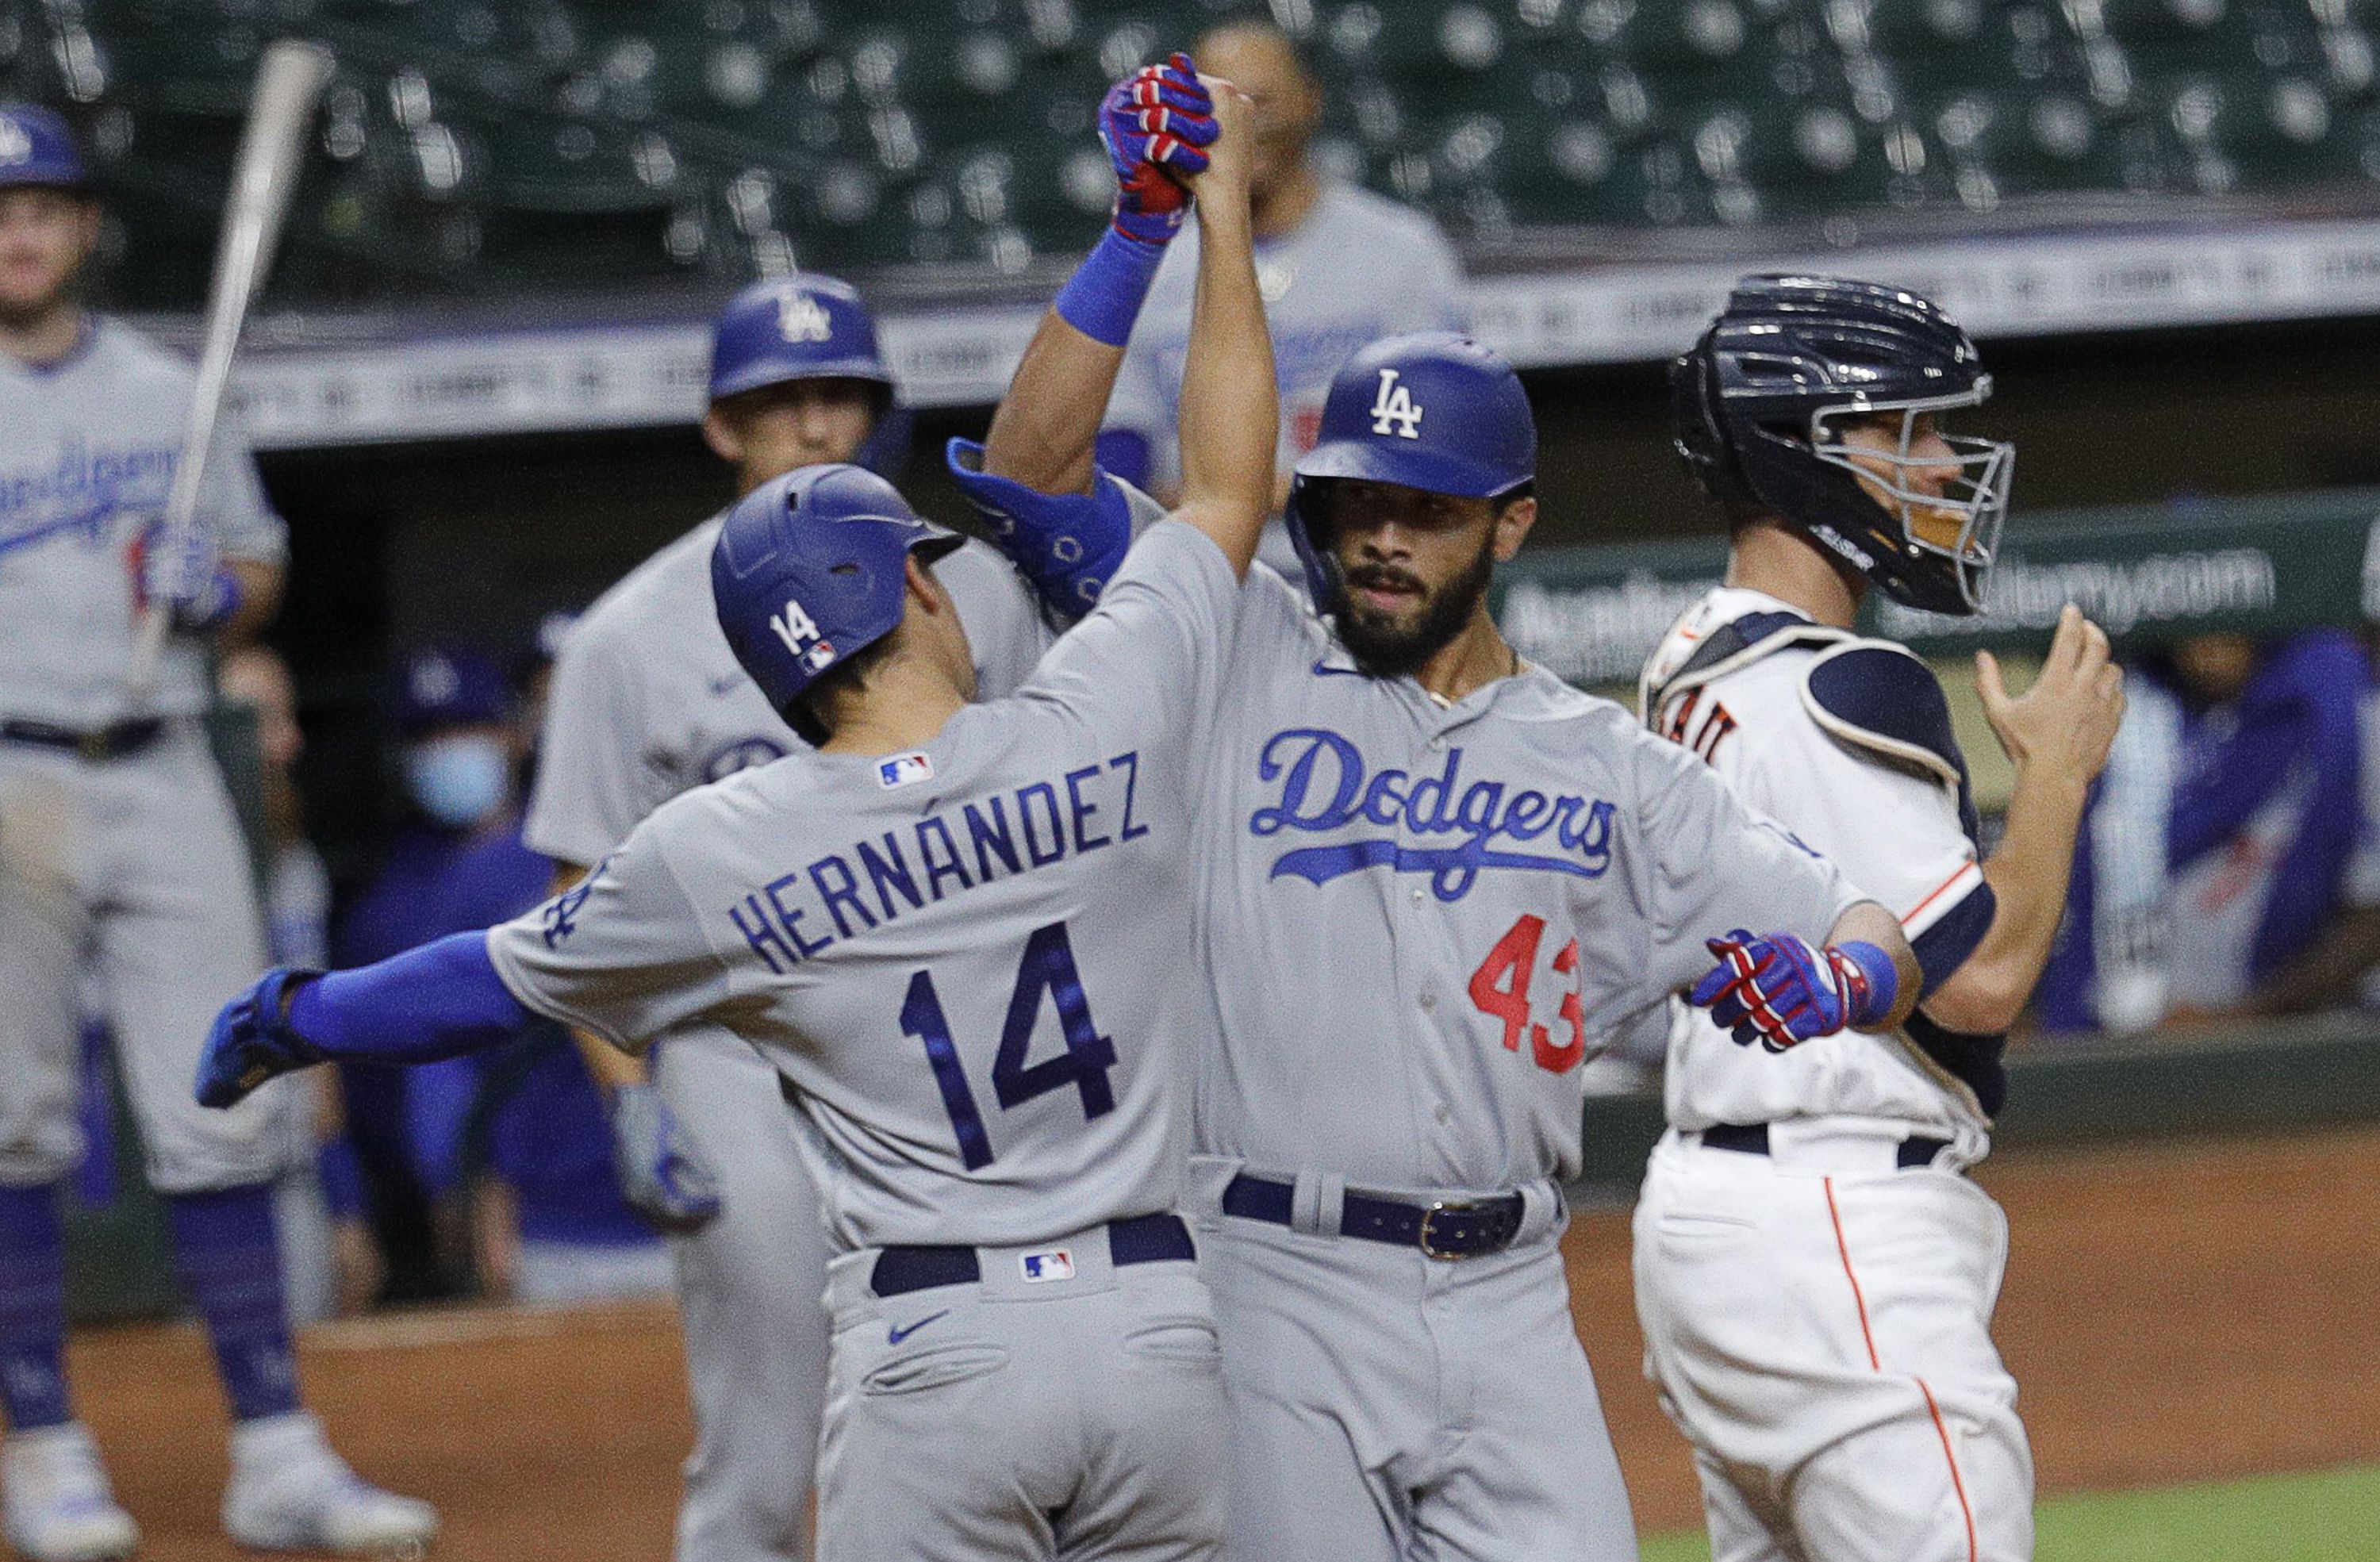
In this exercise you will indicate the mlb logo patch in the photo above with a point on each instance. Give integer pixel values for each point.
(818, 656)
(1050, 1263)
(902, 769)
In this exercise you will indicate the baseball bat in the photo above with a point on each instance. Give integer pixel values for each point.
(280, 111)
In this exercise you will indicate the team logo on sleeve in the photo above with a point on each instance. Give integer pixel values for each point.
(1050, 1263)
(1393, 410)
(902, 769)
(561, 914)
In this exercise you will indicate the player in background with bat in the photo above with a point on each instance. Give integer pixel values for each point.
(118, 841)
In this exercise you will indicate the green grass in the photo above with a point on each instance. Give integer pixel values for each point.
(2332, 1517)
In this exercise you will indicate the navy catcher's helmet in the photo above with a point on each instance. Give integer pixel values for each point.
(36, 148)
(1431, 411)
(1756, 405)
(807, 573)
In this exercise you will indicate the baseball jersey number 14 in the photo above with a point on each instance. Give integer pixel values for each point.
(1501, 990)
(1048, 967)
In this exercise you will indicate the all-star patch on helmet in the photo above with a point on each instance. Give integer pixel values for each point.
(1758, 405)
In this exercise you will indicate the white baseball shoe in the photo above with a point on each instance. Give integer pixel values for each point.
(289, 1492)
(59, 1506)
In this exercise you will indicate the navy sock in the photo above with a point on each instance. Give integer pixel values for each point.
(229, 1262)
(32, 1309)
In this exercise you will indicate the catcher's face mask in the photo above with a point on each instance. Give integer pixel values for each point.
(1948, 492)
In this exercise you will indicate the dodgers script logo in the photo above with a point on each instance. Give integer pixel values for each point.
(1325, 785)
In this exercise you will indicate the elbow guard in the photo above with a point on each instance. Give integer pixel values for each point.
(1066, 544)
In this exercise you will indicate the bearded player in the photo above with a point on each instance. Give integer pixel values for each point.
(1433, 878)
(1815, 1272)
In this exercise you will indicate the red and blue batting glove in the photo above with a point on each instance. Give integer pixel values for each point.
(254, 1041)
(1780, 992)
(1154, 122)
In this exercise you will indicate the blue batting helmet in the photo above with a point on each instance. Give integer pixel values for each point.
(799, 327)
(36, 148)
(1758, 405)
(807, 574)
(1431, 411)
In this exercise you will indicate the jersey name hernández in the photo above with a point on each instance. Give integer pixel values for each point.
(1847, 742)
(964, 957)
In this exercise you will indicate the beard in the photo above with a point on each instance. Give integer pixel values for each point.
(1385, 646)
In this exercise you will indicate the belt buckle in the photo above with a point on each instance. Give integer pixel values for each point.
(1444, 1206)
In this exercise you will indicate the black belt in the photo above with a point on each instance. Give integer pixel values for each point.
(117, 740)
(1752, 1139)
(1141, 1239)
(1442, 1227)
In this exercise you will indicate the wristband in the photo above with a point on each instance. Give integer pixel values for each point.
(1871, 1002)
(1103, 297)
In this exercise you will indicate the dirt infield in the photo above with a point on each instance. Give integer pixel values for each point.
(2171, 1314)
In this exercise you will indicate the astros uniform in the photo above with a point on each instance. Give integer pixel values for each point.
(134, 858)
(1814, 1275)
(1418, 920)
(647, 702)
(956, 959)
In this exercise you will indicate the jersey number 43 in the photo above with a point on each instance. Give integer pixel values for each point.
(1048, 967)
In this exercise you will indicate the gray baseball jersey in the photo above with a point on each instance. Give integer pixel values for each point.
(1421, 917)
(949, 952)
(648, 700)
(88, 455)
(1359, 268)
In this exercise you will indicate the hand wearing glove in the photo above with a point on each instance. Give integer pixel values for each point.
(661, 1175)
(186, 575)
(1154, 122)
(254, 1041)
(1779, 991)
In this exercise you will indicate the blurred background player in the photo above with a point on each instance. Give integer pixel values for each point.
(118, 844)
(648, 701)
(1341, 268)
(1814, 1278)
(331, 1258)
(2221, 849)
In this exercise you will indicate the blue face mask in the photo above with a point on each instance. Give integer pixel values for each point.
(458, 781)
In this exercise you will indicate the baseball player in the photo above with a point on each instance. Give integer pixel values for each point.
(1342, 267)
(117, 841)
(1432, 879)
(1815, 1274)
(647, 702)
(940, 928)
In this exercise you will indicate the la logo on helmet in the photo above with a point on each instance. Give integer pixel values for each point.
(799, 319)
(16, 142)
(1394, 411)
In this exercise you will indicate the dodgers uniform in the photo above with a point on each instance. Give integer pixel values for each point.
(126, 852)
(1359, 268)
(1814, 1275)
(647, 702)
(1419, 919)
(956, 959)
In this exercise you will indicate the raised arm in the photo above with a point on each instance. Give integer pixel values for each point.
(1231, 407)
(1154, 125)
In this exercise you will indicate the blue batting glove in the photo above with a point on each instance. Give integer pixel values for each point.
(1154, 122)
(252, 1040)
(1780, 992)
(661, 1175)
